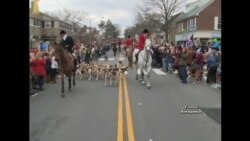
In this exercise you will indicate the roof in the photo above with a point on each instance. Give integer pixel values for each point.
(195, 11)
(42, 14)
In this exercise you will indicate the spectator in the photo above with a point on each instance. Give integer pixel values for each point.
(169, 61)
(212, 65)
(48, 68)
(54, 68)
(39, 70)
(183, 65)
(164, 54)
(198, 65)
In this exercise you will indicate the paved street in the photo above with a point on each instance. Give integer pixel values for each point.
(90, 111)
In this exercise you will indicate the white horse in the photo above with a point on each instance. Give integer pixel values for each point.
(144, 63)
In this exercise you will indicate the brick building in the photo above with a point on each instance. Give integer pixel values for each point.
(202, 20)
(45, 27)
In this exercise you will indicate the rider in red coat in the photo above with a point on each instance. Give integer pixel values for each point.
(141, 43)
(129, 42)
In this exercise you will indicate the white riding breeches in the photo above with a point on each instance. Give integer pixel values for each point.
(134, 53)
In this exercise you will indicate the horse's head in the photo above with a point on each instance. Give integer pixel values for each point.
(57, 50)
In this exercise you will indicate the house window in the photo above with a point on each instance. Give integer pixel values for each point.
(192, 24)
(47, 24)
(31, 21)
(217, 23)
(179, 28)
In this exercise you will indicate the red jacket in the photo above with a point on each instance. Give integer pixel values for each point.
(141, 42)
(129, 42)
(199, 59)
(38, 67)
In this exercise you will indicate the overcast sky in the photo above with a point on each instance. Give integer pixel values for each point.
(120, 12)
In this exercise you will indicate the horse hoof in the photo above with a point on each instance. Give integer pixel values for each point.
(143, 83)
(62, 95)
(149, 87)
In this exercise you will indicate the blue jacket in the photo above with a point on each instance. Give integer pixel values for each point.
(213, 61)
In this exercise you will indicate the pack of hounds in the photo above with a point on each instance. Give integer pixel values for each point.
(98, 71)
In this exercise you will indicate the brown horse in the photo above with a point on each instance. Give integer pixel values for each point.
(67, 66)
(129, 53)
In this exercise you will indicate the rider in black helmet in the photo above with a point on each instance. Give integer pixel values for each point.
(67, 43)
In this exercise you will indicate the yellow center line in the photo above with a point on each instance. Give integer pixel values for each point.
(128, 112)
(120, 116)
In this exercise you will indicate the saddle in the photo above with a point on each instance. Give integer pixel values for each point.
(74, 58)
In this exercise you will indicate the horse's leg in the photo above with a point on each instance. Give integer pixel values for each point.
(142, 78)
(74, 78)
(106, 77)
(90, 74)
(147, 80)
(110, 80)
(137, 75)
(69, 80)
(97, 75)
(62, 83)
(140, 74)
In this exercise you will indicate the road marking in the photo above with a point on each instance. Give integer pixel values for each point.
(110, 59)
(159, 72)
(101, 59)
(120, 116)
(128, 112)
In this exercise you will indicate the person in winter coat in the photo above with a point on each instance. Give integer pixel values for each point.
(183, 66)
(39, 69)
(212, 65)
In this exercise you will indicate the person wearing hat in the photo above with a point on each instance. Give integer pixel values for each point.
(141, 42)
(67, 43)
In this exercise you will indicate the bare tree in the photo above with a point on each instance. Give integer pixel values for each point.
(166, 9)
(146, 18)
(73, 16)
(102, 25)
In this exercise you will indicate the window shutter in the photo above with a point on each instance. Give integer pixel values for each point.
(42, 24)
(215, 23)
(52, 24)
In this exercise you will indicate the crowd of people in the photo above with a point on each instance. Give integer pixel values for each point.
(186, 61)
(197, 63)
(44, 66)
